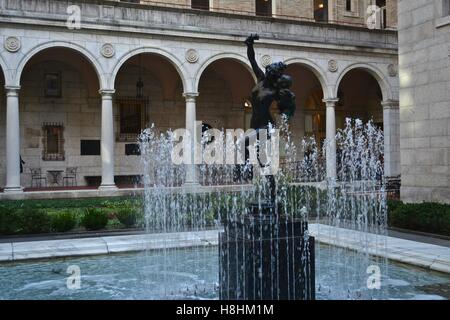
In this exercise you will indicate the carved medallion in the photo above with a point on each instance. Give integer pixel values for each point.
(266, 60)
(333, 66)
(392, 70)
(192, 56)
(108, 50)
(12, 44)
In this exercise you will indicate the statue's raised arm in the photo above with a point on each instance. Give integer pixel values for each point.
(251, 56)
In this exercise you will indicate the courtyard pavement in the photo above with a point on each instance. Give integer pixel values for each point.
(422, 254)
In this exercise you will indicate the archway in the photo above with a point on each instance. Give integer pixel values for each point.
(60, 115)
(225, 86)
(360, 96)
(362, 92)
(149, 90)
(308, 87)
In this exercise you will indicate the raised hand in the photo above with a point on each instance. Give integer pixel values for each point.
(251, 39)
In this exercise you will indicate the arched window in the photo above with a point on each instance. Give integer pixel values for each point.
(263, 8)
(200, 4)
(321, 10)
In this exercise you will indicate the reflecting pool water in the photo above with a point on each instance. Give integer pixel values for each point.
(145, 276)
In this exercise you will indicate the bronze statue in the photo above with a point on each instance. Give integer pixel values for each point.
(272, 86)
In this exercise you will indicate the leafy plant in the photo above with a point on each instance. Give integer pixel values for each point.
(63, 221)
(8, 221)
(33, 221)
(129, 216)
(95, 219)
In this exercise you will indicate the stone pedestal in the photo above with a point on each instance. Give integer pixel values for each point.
(265, 257)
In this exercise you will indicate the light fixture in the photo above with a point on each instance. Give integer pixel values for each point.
(321, 6)
(140, 83)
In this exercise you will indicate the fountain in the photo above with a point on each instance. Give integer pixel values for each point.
(265, 254)
(266, 249)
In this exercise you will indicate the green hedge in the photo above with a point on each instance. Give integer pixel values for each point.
(424, 217)
(95, 219)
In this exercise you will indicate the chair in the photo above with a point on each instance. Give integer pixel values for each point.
(37, 178)
(70, 176)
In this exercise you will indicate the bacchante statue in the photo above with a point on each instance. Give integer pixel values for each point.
(272, 86)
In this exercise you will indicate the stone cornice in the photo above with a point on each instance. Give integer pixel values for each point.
(104, 16)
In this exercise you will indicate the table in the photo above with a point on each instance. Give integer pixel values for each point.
(55, 176)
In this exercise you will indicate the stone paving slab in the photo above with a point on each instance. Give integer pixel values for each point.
(425, 255)
(17, 251)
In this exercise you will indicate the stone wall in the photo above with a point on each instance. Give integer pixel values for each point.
(424, 37)
(190, 42)
(292, 9)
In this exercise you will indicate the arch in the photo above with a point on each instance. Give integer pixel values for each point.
(373, 71)
(233, 56)
(316, 69)
(4, 70)
(62, 44)
(176, 63)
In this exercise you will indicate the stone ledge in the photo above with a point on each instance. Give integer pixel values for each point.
(429, 256)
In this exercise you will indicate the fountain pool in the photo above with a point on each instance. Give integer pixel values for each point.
(138, 276)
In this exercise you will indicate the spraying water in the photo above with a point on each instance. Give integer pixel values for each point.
(354, 201)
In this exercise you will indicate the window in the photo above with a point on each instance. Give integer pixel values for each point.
(382, 14)
(263, 8)
(320, 10)
(132, 118)
(445, 8)
(90, 147)
(200, 4)
(349, 5)
(53, 142)
(53, 85)
(132, 149)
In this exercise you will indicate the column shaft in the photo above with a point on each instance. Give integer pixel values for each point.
(331, 138)
(191, 117)
(12, 141)
(107, 141)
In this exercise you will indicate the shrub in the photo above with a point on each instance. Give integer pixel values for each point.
(8, 221)
(425, 217)
(63, 221)
(129, 217)
(95, 219)
(33, 221)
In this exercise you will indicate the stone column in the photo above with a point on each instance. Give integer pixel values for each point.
(107, 141)
(391, 128)
(191, 117)
(12, 141)
(331, 138)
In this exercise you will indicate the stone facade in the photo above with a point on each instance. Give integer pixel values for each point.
(183, 53)
(295, 9)
(424, 37)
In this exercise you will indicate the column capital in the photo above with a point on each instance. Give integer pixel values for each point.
(107, 92)
(12, 90)
(331, 102)
(190, 96)
(390, 105)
